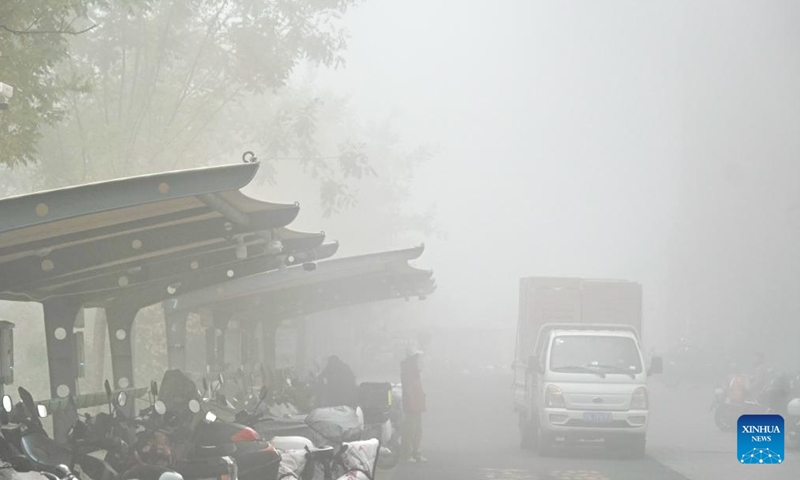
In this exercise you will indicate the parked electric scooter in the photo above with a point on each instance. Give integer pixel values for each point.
(48, 456)
(12, 458)
(192, 425)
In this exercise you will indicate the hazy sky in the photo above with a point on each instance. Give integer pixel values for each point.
(557, 132)
(562, 129)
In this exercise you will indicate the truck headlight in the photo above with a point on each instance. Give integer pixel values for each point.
(553, 397)
(639, 399)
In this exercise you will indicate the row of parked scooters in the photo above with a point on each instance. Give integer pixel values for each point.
(185, 434)
(781, 396)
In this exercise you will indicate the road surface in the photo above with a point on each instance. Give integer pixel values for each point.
(470, 433)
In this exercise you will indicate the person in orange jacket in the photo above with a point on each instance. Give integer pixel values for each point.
(413, 405)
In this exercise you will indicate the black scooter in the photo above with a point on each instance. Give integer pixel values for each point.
(46, 455)
(198, 431)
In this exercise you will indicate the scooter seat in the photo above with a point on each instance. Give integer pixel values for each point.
(287, 443)
(223, 450)
(44, 451)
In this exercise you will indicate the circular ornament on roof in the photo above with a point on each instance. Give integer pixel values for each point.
(42, 209)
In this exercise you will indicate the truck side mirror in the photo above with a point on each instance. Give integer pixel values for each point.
(535, 365)
(656, 366)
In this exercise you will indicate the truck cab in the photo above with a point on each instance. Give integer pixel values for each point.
(588, 382)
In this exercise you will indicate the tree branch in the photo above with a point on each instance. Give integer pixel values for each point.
(60, 32)
(187, 82)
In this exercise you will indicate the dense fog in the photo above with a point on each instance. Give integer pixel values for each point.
(654, 142)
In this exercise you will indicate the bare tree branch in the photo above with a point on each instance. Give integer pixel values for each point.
(59, 32)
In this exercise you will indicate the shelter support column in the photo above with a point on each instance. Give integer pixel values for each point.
(269, 329)
(211, 348)
(120, 322)
(221, 320)
(176, 339)
(62, 356)
(301, 345)
(248, 342)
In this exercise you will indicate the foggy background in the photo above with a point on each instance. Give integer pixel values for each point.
(654, 142)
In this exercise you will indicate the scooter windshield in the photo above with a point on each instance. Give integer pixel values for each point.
(177, 389)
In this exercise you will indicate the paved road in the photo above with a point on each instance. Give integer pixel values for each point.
(471, 434)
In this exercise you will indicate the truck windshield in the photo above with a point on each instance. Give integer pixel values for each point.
(597, 353)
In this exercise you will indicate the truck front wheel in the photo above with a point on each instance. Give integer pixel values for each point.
(545, 443)
(629, 446)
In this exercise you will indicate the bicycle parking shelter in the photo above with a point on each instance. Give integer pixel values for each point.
(171, 238)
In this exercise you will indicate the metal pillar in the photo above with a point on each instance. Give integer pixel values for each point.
(301, 345)
(221, 317)
(269, 329)
(176, 339)
(248, 345)
(211, 348)
(120, 322)
(59, 324)
(221, 326)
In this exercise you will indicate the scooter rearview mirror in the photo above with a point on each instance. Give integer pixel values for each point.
(107, 386)
(8, 405)
(154, 388)
(194, 406)
(161, 407)
(41, 410)
(122, 399)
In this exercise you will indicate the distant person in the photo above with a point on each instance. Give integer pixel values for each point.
(413, 406)
(758, 375)
(337, 384)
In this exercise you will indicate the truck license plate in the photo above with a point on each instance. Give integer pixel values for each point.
(593, 417)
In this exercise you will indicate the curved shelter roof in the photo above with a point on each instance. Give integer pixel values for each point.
(334, 283)
(144, 239)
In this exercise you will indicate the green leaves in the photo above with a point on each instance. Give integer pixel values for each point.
(33, 42)
(164, 85)
(153, 77)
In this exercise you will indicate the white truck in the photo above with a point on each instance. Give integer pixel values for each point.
(579, 371)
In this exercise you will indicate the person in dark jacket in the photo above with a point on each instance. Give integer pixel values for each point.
(337, 384)
(413, 406)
